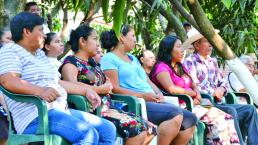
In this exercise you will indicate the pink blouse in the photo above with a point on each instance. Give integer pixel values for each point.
(184, 81)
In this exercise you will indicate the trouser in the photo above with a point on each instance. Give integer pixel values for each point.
(80, 128)
(245, 119)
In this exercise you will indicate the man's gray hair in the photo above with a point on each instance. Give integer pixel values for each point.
(245, 59)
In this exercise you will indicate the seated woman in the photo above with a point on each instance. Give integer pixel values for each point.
(147, 60)
(5, 37)
(53, 47)
(98, 56)
(82, 68)
(25, 69)
(170, 75)
(176, 126)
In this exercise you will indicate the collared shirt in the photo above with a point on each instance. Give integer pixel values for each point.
(35, 69)
(205, 73)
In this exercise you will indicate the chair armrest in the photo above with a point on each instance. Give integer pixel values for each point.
(132, 102)
(40, 104)
(207, 96)
(81, 103)
(143, 108)
(230, 98)
(187, 99)
(248, 98)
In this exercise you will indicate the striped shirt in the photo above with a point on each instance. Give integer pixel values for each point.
(35, 69)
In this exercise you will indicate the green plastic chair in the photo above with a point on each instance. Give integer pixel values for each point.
(231, 98)
(78, 102)
(81, 103)
(198, 137)
(42, 134)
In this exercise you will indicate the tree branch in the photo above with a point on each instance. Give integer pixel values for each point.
(172, 20)
(184, 13)
(208, 31)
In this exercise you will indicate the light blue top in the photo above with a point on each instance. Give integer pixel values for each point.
(131, 75)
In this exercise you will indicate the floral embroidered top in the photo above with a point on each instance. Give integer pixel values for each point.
(127, 124)
(88, 71)
(205, 73)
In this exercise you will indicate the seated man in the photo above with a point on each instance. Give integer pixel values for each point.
(205, 73)
(234, 83)
(25, 69)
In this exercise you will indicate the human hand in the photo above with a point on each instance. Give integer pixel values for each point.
(218, 93)
(196, 102)
(191, 93)
(151, 97)
(106, 88)
(93, 98)
(48, 94)
(160, 97)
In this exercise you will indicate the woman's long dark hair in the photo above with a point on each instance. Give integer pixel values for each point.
(166, 46)
(108, 39)
(81, 31)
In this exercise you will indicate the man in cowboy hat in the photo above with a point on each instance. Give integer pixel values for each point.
(206, 75)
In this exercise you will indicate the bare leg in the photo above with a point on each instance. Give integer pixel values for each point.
(3, 142)
(148, 139)
(137, 140)
(168, 130)
(183, 137)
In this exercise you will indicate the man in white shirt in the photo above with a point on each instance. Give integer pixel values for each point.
(25, 69)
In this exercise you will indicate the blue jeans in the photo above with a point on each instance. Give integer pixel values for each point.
(245, 119)
(80, 128)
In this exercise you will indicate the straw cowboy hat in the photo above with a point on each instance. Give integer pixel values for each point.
(192, 36)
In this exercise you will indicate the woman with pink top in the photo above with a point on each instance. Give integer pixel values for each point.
(170, 75)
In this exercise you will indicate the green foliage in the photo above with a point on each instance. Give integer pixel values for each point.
(56, 27)
(227, 3)
(118, 16)
(104, 5)
(236, 21)
(99, 28)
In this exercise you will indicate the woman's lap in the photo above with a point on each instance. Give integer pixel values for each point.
(159, 112)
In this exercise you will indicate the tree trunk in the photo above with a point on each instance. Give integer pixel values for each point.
(224, 50)
(184, 13)
(64, 34)
(147, 39)
(162, 22)
(9, 8)
(208, 31)
(173, 21)
(91, 12)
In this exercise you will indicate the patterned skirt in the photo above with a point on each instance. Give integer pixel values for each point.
(220, 127)
(127, 124)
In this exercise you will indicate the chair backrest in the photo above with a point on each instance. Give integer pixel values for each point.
(41, 106)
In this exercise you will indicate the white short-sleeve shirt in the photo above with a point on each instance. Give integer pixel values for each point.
(35, 69)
